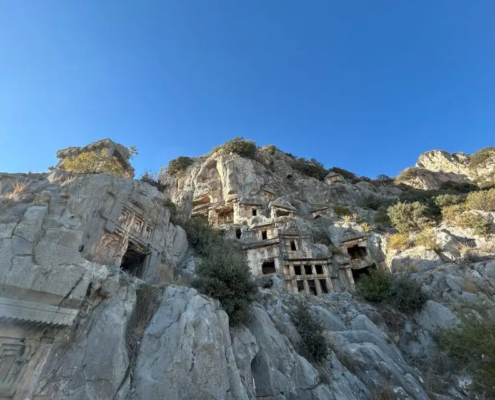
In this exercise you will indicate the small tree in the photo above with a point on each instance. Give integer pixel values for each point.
(407, 217)
(375, 286)
(223, 272)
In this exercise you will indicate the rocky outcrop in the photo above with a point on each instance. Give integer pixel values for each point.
(437, 167)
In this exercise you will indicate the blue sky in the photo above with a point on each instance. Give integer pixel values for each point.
(365, 85)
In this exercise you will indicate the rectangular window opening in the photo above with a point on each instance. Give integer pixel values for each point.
(323, 284)
(297, 270)
(308, 270)
(268, 267)
(293, 245)
(300, 286)
(255, 212)
(319, 269)
(264, 235)
(312, 286)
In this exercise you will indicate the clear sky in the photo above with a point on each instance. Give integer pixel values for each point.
(365, 85)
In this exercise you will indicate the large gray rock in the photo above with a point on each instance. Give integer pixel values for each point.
(186, 351)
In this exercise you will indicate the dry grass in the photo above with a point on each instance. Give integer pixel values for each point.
(19, 192)
(348, 218)
(427, 239)
(67, 181)
(399, 241)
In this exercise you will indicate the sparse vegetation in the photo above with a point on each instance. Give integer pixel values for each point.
(451, 213)
(375, 286)
(472, 345)
(147, 300)
(406, 294)
(408, 217)
(311, 168)
(240, 146)
(152, 179)
(484, 200)
(399, 241)
(444, 200)
(481, 156)
(476, 222)
(94, 162)
(427, 239)
(223, 272)
(381, 217)
(345, 174)
(341, 210)
(179, 165)
(310, 329)
(271, 149)
(19, 192)
(400, 291)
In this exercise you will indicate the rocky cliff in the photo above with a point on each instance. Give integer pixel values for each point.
(96, 299)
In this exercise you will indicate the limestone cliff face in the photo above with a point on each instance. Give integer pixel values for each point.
(436, 167)
(81, 256)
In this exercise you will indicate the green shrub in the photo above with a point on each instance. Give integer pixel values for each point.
(375, 286)
(175, 217)
(223, 272)
(472, 345)
(408, 174)
(451, 213)
(381, 217)
(311, 168)
(345, 174)
(400, 291)
(240, 146)
(476, 222)
(179, 165)
(444, 200)
(483, 200)
(479, 158)
(399, 241)
(311, 330)
(406, 294)
(407, 217)
(457, 187)
(374, 202)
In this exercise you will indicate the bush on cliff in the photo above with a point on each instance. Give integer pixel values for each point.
(401, 291)
(223, 272)
(309, 327)
(240, 146)
(179, 165)
(408, 217)
(472, 345)
(311, 168)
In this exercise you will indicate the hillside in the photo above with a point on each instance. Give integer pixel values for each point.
(247, 273)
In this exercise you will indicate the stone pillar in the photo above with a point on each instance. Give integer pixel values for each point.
(350, 279)
(319, 292)
(291, 270)
(306, 287)
(276, 261)
(313, 270)
(330, 287)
